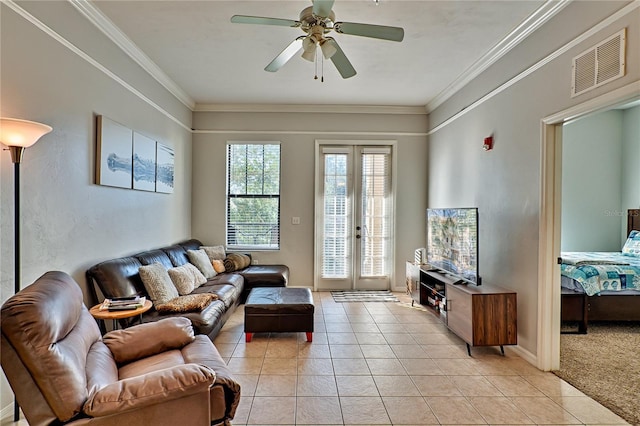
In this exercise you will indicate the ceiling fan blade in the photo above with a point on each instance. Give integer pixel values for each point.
(322, 8)
(261, 20)
(368, 30)
(340, 60)
(284, 56)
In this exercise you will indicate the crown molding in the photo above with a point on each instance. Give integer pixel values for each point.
(89, 59)
(104, 24)
(538, 18)
(305, 108)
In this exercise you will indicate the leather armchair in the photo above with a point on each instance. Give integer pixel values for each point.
(63, 371)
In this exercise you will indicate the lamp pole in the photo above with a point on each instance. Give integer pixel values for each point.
(16, 157)
(17, 135)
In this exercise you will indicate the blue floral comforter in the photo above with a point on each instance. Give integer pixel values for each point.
(599, 271)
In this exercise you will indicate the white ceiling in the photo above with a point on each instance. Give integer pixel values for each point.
(212, 61)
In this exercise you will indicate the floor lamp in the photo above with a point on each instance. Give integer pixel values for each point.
(17, 135)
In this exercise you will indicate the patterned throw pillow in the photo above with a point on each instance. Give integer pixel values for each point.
(188, 303)
(158, 283)
(632, 246)
(202, 262)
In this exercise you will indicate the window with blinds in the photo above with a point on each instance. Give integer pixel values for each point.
(253, 196)
(375, 232)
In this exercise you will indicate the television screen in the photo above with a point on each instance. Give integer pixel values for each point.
(452, 242)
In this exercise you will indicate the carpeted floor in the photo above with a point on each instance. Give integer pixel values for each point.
(605, 364)
(364, 296)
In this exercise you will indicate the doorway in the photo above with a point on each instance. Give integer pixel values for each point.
(548, 342)
(354, 216)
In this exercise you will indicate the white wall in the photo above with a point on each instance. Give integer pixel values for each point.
(592, 182)
(68, 222)
(297, 133)
(505, 183)
(631, 162)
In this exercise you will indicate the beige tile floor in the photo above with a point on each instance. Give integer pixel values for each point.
(390, 363)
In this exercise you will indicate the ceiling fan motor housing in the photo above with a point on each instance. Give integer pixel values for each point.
(309, 22)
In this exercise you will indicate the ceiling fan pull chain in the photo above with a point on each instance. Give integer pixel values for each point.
(315, 64)
(322, 68)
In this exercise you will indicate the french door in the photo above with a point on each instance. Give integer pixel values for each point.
(354, 217)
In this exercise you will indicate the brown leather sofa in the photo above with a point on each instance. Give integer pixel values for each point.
(120, 277)
(63, 371)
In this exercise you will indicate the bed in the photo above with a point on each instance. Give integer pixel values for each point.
(599, 286)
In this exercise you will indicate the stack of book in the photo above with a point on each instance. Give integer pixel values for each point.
(123, 303)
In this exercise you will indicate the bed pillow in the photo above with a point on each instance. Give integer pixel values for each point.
(200, 259)
(215, 252)
(632, 246)
(186, 278)
(157, 282)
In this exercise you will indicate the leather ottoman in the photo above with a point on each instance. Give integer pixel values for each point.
(279, 309)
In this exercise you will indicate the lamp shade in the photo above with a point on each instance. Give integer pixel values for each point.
(22, 133)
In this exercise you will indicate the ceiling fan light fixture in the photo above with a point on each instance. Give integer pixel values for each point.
(310, 54)
(309, 46)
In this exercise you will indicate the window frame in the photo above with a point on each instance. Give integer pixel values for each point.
(272, 246)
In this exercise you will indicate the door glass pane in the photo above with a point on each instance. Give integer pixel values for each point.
(335, 253)
(375, 214)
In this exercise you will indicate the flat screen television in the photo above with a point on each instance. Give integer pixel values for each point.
(452, 242)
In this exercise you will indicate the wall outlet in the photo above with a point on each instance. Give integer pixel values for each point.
(295, 220)
(255, 261)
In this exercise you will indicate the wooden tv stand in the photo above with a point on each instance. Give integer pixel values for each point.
(480, 315)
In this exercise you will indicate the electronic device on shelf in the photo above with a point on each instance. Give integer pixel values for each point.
(452, 243)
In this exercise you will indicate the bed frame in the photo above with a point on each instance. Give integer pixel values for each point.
(578, 307)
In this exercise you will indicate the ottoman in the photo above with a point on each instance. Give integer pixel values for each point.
(279, 309)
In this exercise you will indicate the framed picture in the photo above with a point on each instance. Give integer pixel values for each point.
(164, 168)
(144, 163)
(114, 165)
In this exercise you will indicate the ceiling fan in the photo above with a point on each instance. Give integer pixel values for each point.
(316, 21)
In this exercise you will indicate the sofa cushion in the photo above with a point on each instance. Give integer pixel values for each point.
(158, 283)
(186, 278)
(177, 254)
(118, 277)
(192, 244)
(202, 262)
(154, 256)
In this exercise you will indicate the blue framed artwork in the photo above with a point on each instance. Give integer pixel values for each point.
(115, 152)
(144, 163)
(164, 168)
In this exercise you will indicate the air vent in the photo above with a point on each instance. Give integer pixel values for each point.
(598, 65)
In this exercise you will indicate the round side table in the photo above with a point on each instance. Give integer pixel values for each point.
(116, 315)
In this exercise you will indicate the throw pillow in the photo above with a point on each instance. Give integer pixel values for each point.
(236, 261)
(202, 262)
(632, 245)
(158, 283)
(188, 303)
(197, 275)
(186, 278)
(218, 265)
(215, 252)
